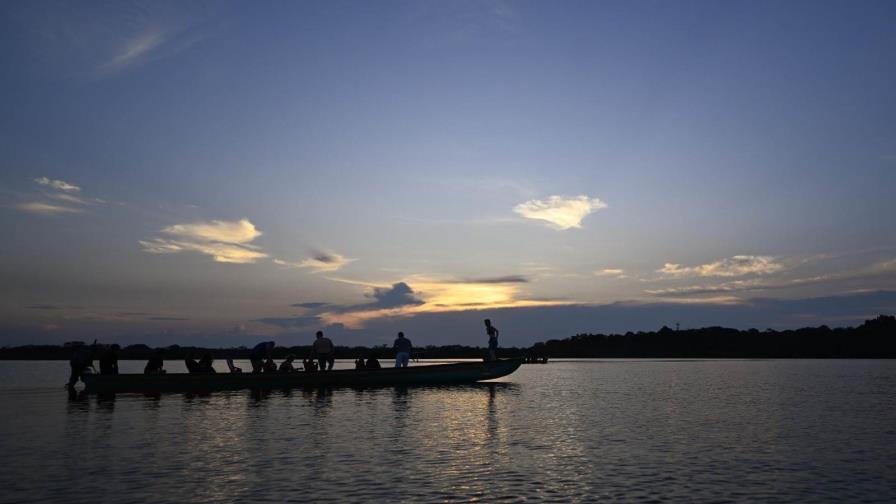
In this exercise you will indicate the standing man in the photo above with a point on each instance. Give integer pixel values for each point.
(109, 360)
(259, 353)
(403, 349)
(324, 351)
(81, 360)
(492, 332)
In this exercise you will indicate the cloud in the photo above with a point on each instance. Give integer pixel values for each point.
(133, 50)
(738, 265)
(494, 280)
(562, 212)
(427, 295)
(611, 272)
(40, 208)
(58, 190)
(400, 294)
(240, 232)
(59, 185)
(319, 262)
(752, 284)
(225, 241)
(167, 318)
(68, 198)
(290, 322)
(309, 306)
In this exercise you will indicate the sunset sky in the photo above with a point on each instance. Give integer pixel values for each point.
(215, 173)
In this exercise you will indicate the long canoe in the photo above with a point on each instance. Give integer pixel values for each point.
(436, 374)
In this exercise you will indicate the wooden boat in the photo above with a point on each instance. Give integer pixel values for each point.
(436, 374)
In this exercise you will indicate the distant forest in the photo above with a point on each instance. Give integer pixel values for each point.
(873, 339)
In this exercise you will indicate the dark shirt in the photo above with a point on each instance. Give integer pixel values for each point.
(373, 363)
(153, 365)
(492, 336)
(322, 347)
(192, 366)
(402, 345)
(109, 362)
(259, 351)
(82, 358)
(205, 366)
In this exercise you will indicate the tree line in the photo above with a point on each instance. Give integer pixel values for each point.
(875, 338)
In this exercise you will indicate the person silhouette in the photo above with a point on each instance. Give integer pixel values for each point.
(323, 351)
(492, 332)
(403, 350)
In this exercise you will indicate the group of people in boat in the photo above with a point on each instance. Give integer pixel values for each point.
(83, 357)
(322, 358)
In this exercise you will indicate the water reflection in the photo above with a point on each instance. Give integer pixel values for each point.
(799, 431)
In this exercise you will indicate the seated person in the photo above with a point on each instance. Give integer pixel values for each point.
(359, 363)
(286, 366)
(269, 366)
(372, 363)
(309, 365)
(205, 363)
(154, 364)
(192, 365)
(231, 367)
(259, 353)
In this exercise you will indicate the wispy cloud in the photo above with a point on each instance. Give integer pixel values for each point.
(738, 265)
(290, 322)
(753, 284)
(493, 280)
(40, 208)
(322, 261)
(59, 185)
(313, 305)
(224, 241)
(561, 212)
(133, 50)
(68, 198)
(53, 191)
(611, 272)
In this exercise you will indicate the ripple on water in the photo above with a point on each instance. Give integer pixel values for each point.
(569, 431)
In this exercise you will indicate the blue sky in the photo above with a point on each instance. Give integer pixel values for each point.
(186, 172)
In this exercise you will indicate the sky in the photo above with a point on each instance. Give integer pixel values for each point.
(214, 173)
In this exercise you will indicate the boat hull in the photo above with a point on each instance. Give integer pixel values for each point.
(437, 374)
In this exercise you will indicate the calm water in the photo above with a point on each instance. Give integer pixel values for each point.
(567, 431)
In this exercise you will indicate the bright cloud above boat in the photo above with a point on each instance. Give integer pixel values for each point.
(562, 212)
(225, 241)
(738, 265)
(424, 295)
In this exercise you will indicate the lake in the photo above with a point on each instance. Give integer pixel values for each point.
(580, 431)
